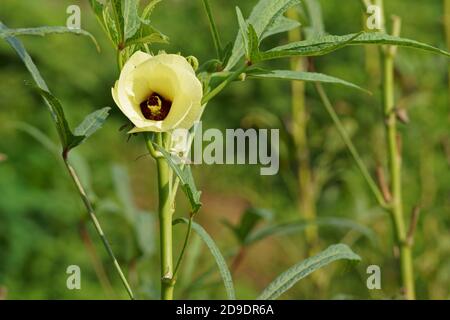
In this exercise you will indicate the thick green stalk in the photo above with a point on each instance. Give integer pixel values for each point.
(165, 225)
(395, 165)
(394, 153)
(307, 204)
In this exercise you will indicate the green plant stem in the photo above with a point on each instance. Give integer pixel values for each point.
(223, 84)
(350, 146)
(149, 143)
(213, 27)
(395, 160)
(183, 250)
(97, 226)
(165, 224)
(120, 61)
(306, 197)
(395, 164)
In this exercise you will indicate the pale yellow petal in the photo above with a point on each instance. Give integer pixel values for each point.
(189, 99)
(135, 60)
(175, 61)
(170, 76)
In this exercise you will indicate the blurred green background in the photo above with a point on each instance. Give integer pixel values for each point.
(43, 225)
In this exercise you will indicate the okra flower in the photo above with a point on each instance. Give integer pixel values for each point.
(158, 93)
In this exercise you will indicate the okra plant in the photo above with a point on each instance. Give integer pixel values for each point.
(164, 94)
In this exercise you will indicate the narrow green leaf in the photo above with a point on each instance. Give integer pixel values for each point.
(148, 10)
(23, 54)
(43, 31)
(303, 76)
(221, 263)
(301, 270)
(131, 18)
(316, 26)
(312, 47)
(326, 44)
(107, 23)
(117, 14)
(186, 179)
(92, 123)
(111, 25)
(226, 53)
(253, 45)
(281, 25)
(151, 36)
(243, 28)
(98, 8)
(146, 34)
(263, 17)
(68, 139)
(295, 227)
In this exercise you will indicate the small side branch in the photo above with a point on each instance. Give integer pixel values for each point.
(350, 146)
(384, 186)
(213, 27)
(413, 225)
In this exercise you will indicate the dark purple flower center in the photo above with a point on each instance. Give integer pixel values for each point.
(155, 107)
